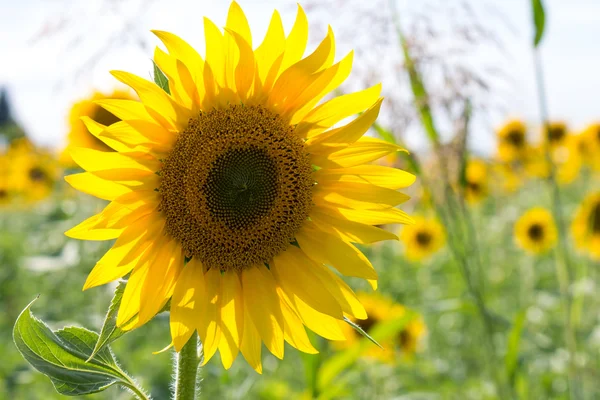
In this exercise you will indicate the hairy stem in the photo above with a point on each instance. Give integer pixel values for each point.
(186, 370)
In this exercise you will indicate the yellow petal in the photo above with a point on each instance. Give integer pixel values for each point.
(188, 291)
(328, 249)
(349, 231)
(358, 196)
(250, 345)
(342, 292)
(292, 271)
(321, 324)
(271, 48)
(157, 102)
(336, 109)
(295, 43)
(95, 160)
(391, 178)
(128, 251)
(208, 322)
(244, 71)
(125, 109)
(182, 51)
(341, 71)
(363, 151)
(168, 65)
(371, 217)
(339, 138)
(130, 302)
(103, 189)
(232, 318)
(215, 51)
(163, 272)
(294, 331)
(237, 22)
(263, 306)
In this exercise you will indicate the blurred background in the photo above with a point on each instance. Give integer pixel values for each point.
(506, 206)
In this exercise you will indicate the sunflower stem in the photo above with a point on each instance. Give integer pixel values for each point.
(562, 262)
(186, 370)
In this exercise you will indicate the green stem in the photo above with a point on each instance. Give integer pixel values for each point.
(137, 391)
(563, 267)
(186, 370)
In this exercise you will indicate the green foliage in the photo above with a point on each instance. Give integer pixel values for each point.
(61, 355)
(539, 21)
(160, 79)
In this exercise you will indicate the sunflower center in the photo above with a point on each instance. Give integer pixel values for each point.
(424, 238)
(367, 324)
(236, 187)
(595, 219)
(535, 232)
(474, 187)
(555, 134)
(3, 193)
(516, 138)
(36, 174)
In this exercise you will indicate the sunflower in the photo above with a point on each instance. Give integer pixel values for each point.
(422, 239)
(79, 133)
(535, 231)
(588, 146)
(233, 195)
(555, 134)
(380, 310)
(507, 177)
(5, 189)
(512, 141)
(32, 172)
(476, 181)
(586, 226)
(568, 161)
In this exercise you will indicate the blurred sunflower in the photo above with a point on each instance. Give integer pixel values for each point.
(507, 177)
(555, 134)
(586, 226)
(512, 141)
(588, 146)
(5, 190)
(476, 181)
(231, 194)
(422, 239)
(380, 310)
(535, 231)
(79, 134)
(536, 164)
(568, 160)
(33, 172)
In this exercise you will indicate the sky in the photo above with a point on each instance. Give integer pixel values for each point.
(48, 49)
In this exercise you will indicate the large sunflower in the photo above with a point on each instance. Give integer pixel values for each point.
(233, 194)
(422, 239)
(380, 310)
(79, 131)
(535, 231)
(586, 226)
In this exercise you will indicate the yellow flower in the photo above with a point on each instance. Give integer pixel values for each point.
(231, 195)
(32, 172)
(555, 134)
(79, 133)
(588, 146)
(512, 141)
(567, 160)
(507, 177)
(379, 310)
(535, 231)
(422, 239)
(476, 185)
(5, 189)
(586, 226)
(536, 164)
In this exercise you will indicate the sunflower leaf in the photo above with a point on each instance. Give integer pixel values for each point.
(539, 21)
(109, 332)
(61, 355)
(160, 79)
(360, 330)
(512, 351)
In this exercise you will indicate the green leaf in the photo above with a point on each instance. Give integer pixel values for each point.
(539, 21)
(109, 332)
(61, 355)
(344, 359)
(514, 341)
(160, 79)
(421, 97)
(361, 331)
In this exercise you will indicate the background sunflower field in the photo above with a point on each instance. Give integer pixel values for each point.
(491, 294)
